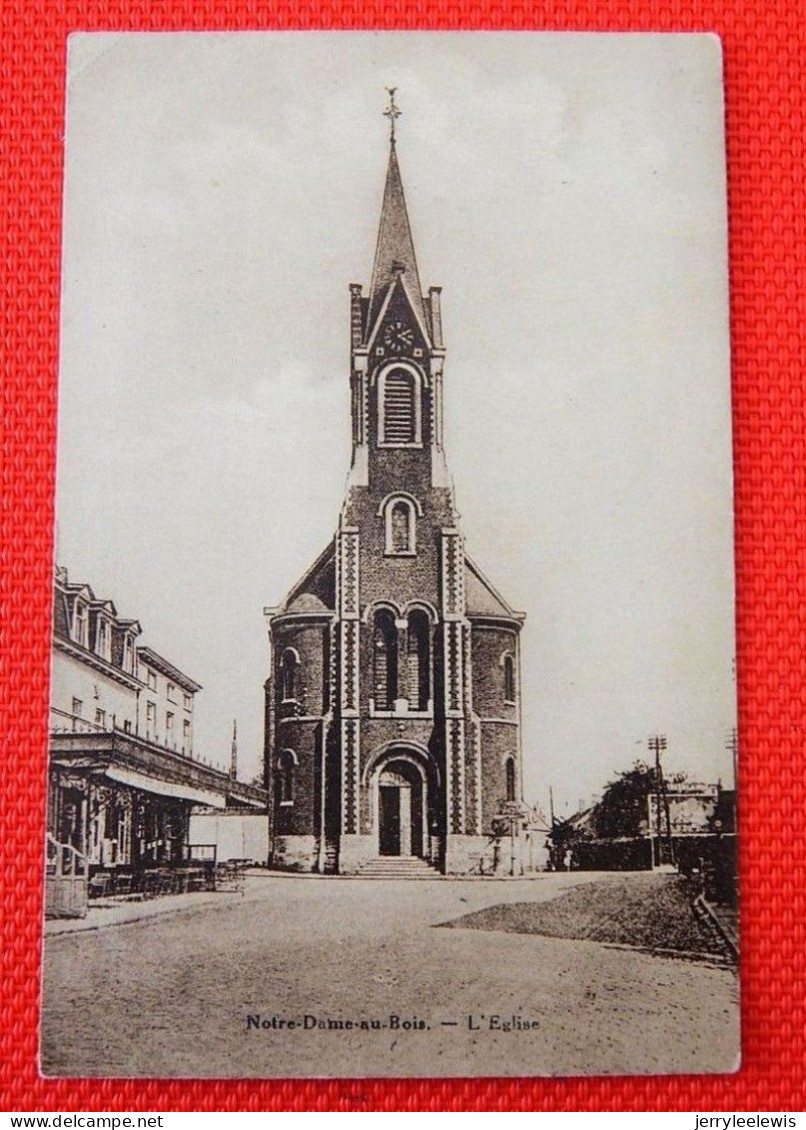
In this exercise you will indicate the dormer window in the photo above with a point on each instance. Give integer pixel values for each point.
(80, 624)
(102, 639)
(128, 654)
(399, 408)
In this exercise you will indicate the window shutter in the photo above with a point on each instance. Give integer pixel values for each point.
(398, 408)
(418, 662)
(414, 670)
(382, 696)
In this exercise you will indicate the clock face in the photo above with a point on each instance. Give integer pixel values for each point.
(398, 337)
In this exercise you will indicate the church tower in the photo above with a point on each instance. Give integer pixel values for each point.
(393, 704)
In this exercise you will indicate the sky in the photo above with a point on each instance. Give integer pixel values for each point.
(568, 194)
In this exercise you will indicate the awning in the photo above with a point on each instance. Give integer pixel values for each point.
(164, 788)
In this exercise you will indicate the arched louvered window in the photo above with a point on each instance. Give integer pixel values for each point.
(418, 666)
(399, 401)
(384, 647)
(288, 674)
(510, 776)
(509, 679)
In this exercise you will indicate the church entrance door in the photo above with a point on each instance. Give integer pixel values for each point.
(389, 822)
(400, 810)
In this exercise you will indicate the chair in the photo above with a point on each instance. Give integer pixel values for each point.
(122, 883)
(99, 884)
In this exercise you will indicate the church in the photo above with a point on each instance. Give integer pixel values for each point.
(392, 706)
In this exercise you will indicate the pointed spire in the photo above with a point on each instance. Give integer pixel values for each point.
(394, 254)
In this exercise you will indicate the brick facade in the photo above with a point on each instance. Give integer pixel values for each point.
(393, 704)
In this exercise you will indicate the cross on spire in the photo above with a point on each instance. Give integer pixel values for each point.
(392, 112)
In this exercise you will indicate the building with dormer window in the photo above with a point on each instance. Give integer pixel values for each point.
(124, 777)
(393, 702)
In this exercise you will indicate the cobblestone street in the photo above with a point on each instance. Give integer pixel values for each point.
(172, 995)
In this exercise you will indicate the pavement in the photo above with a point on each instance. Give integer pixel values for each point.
(111, 912)
(119, 912)
(295, 977)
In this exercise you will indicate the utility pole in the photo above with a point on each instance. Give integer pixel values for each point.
(733, 745)
(657, 744)
(512, 843)
(552, 824)
(233, 763)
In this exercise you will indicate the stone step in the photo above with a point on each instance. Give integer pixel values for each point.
(403, 876)
(399, 870)
(397, 867)
(396, 861)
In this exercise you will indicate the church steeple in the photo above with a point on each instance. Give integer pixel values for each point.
(394, 254)
(397, 354)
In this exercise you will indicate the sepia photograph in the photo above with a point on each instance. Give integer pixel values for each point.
(393, 722)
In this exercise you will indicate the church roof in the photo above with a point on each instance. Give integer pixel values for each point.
(394, 253)
(315, 591)
(307, 602)
(481, 598)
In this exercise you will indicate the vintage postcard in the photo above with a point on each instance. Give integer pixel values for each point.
(393, 721)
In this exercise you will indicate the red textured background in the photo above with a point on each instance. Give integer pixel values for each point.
(764, 51)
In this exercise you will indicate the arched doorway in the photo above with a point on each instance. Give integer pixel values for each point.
(401, 808)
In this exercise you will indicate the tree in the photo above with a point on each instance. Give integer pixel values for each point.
(622, 811)
(566, 836)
